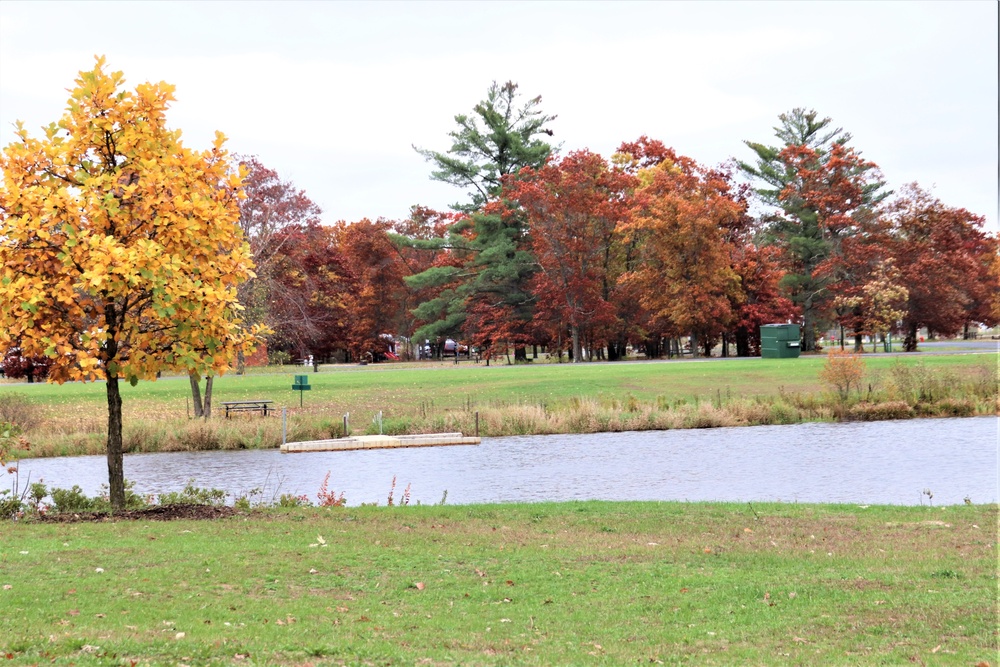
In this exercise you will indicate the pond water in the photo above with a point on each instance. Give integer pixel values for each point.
(889, 462)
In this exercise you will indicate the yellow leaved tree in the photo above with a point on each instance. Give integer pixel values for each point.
(120, 249)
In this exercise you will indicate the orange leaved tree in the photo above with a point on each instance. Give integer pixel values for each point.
(120, 251)
(682, 210)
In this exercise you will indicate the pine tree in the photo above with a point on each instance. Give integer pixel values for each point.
(495, 142)
(808, 145)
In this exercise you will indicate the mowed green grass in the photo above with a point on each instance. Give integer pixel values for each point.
(445, 385)
(590, 583)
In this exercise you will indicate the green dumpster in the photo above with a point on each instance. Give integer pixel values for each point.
(779, 341)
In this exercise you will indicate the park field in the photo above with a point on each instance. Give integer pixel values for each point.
(509, 400)
(589, 583)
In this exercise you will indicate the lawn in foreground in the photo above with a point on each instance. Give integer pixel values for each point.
(533, 584)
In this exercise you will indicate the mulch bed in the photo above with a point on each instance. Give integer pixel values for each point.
(157, 513)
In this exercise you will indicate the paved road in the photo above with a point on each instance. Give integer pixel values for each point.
(977, 346)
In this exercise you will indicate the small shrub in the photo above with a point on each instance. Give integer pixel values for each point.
(842, 371)
(329, 498)
(289, 500)
(245, 501)
(405, 500)
(278, 357)
(10, 505)
(782, 413)
(72, 500)
(193, 495)
(133, 501)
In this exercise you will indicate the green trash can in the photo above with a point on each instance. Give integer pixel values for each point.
(779, 341)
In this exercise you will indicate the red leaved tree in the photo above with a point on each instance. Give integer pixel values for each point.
(307, 308)
(376, 299)
(574, 209)
(944, 259)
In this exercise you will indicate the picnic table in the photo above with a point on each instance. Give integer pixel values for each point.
(247, 406)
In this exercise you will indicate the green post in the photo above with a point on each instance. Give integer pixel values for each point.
(301, 384)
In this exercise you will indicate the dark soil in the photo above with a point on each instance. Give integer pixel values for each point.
(157, 513)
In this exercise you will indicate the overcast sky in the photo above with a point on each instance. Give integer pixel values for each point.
(333, 95)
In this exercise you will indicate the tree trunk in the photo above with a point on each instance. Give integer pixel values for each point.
(808, 330)
(858, 343)
(116, 472)
(208, 396)
(694, 346)
(742, 343)
(910, 342)
(195, 379)
(575, 333)
(241, 363)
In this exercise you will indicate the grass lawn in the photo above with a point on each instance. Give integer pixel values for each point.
(512, 400)
(449, 385)
(536, 584)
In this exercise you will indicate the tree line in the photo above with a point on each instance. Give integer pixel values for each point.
(593, 256)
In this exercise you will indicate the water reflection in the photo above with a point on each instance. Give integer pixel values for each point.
(880, 462)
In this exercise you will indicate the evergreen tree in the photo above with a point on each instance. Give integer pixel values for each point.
(801, 230)
(497, 140)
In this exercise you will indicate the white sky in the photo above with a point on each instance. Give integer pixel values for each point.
(334, 94)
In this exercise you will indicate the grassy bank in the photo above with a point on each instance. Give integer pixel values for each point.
(510, 400)
(576, 583)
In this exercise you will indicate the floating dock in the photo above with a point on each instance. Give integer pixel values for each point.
(379, 442)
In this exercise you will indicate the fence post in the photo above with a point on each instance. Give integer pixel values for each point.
(347, 424)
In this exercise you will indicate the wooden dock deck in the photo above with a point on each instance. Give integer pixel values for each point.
(379, 442)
